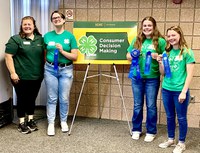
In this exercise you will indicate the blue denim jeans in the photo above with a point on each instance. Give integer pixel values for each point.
(172, 106)
(58, 85)
(145, 88)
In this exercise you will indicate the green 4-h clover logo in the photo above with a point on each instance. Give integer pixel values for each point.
(87, 45)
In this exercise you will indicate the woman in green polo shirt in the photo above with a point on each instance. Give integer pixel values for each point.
(175, 87)
(24, 56)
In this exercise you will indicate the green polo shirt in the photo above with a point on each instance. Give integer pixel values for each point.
(66, 39)
(178, 69)
(28, 56)
(147, 45)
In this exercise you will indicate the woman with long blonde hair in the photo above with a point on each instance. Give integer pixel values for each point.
(175, 89)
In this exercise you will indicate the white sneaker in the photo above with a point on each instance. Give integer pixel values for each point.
(149, 137)
(168, 143)
(180, 147)
(136, 135)
(64, 127)
(51, 129)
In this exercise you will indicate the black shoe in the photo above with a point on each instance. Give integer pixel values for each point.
(23, 128)
(32, 125)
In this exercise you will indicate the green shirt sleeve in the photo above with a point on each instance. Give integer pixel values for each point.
(12, 45)
(130, 48)
(190, 57)
(73, 43)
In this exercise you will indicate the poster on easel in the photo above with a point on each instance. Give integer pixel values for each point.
(103, 42)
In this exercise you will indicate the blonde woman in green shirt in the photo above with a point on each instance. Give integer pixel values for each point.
(175, 89)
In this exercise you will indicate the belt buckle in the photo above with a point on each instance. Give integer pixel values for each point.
(62, 64)
(50, 63)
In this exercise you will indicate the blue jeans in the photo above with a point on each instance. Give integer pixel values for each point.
(58, 84)
(140, 88)
(172, 106)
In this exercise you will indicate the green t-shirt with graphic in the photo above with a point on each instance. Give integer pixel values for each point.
(178, 69)
(147, 45)
(66, 39)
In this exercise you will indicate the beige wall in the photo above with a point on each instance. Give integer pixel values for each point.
(5, 86)
(106, 93)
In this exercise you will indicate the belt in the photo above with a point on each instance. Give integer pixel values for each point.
(60, 64)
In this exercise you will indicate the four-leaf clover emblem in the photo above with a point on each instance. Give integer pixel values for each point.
(87, 45)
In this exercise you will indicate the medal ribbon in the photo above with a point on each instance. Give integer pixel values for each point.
(166, 65)
(55, 59)
(147, 63)
(135, 64)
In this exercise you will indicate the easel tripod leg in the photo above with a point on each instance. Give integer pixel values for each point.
(85, 77)
(123, 103)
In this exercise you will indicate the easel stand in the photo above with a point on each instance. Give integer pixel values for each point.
(86, 77)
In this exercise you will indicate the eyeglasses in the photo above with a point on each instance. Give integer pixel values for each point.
(57, 17)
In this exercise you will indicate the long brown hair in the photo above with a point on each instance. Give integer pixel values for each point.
(141, 37)
(182, 41)
(35, 31)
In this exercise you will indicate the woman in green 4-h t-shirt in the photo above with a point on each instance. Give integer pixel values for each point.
(175, 92)
(62, 50)
(145, 48)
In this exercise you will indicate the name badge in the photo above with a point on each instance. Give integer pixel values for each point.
(179, 58)
(51, 43)
(26, 43)
(151, 47)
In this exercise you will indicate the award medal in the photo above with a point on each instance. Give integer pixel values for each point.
(147, 63)
(135, 63)
(55, 59)
(166, 65)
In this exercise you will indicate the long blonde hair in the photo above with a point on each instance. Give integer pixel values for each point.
(182, 41)
(141, 37)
